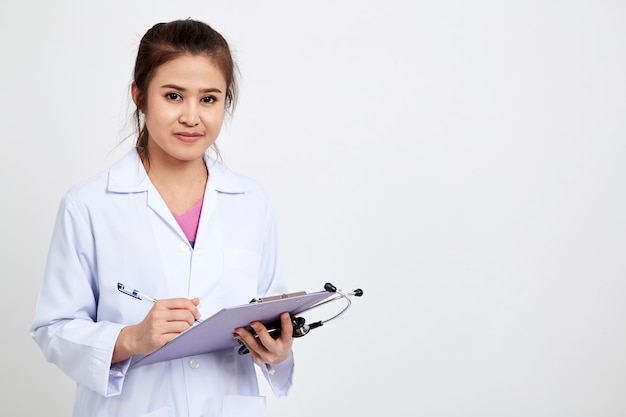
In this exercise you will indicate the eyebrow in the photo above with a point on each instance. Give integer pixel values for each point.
(202, 90)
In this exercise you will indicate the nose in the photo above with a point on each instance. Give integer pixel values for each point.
(190, 115)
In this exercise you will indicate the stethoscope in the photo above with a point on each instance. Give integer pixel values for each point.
(300, 328)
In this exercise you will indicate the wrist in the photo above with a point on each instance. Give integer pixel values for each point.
(123, 345)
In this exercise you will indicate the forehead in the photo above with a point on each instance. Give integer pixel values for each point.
(190, 71)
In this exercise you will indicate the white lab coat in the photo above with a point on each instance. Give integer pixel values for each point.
(115, 228)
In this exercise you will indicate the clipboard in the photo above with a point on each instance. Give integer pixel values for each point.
(216, 332)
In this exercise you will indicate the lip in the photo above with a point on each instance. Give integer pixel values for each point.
(188, 136)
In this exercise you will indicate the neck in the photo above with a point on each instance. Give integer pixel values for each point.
(176, 172)
(181, 184)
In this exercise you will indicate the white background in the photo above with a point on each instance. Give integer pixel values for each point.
(461, 161)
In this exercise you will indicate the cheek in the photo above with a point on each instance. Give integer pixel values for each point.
(160, 115)
(214, 119)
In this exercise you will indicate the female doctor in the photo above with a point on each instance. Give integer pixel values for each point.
(176, 224)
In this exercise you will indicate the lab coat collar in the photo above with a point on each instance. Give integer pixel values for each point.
(128, 175)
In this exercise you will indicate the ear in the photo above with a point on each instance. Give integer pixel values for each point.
(135, 93)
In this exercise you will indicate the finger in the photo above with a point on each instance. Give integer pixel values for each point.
(174, 328)
(175, 321)
(161, 313)
(184, 316)
(263, 334)
(181, 304)
(245, 336)
(252, 351)
(195, 311)
(249, 340)
(286, 326)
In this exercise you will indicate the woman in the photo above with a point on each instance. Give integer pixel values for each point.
(175, 223)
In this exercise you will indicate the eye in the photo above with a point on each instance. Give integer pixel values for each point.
(208, 99)
(173, 96)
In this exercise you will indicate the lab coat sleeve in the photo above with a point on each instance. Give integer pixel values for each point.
(273, 279)
(280, 376)
(65, 324)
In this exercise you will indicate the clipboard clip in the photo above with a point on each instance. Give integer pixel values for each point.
(300, 328)
(278, 297)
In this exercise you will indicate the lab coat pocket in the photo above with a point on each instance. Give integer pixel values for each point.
(243, 406)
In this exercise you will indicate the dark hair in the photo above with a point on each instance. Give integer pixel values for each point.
(165, 42)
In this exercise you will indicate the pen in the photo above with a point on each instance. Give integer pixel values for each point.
(136, 294)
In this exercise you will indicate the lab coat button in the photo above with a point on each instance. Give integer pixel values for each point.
(194, 363)
(184, 247)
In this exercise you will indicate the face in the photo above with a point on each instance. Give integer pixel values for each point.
(184, 108)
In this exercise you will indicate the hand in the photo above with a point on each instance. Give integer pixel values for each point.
(264, 348)
(165, 320)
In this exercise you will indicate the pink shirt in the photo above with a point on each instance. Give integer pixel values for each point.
(189, 222)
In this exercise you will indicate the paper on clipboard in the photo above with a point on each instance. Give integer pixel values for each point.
(216, 332)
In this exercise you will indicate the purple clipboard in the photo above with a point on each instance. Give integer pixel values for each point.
(216, 332)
